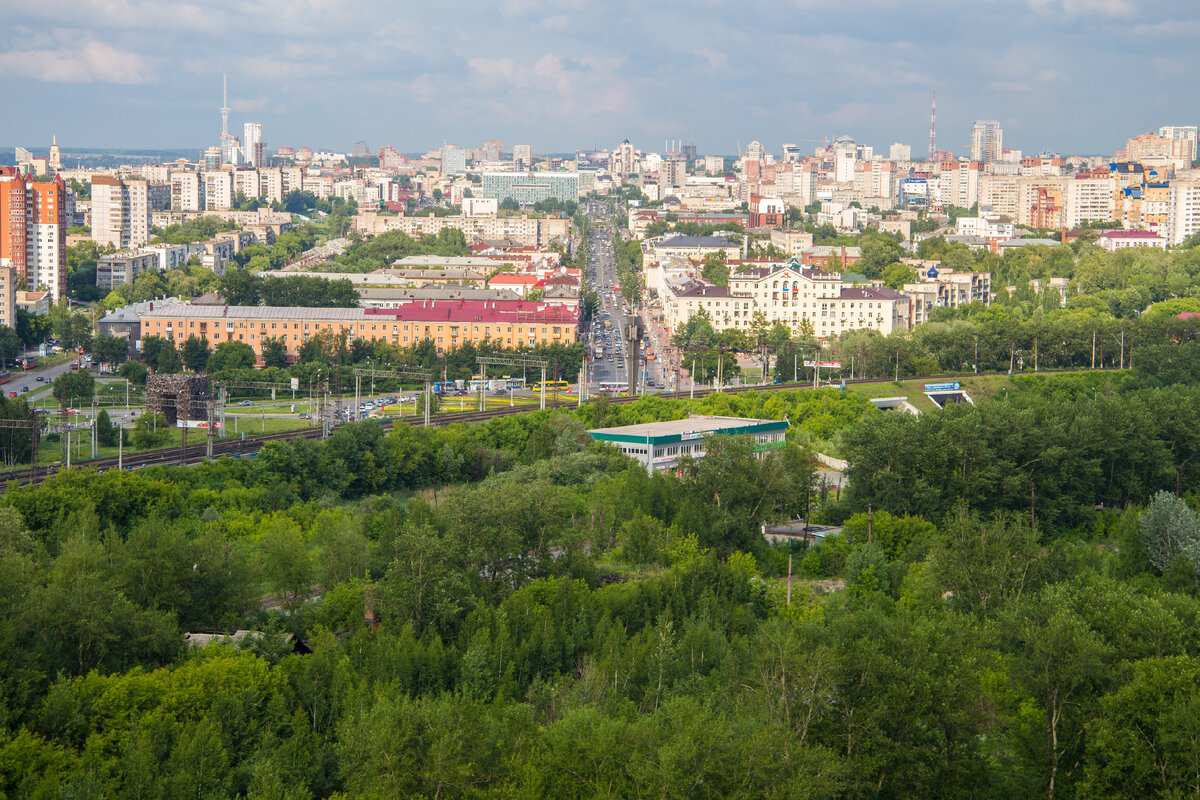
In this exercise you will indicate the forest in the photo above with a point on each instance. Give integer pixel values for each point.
(513, 610)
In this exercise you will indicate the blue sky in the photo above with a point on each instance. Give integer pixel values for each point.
(1072, 76)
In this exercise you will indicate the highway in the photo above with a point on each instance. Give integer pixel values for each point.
(613, 317)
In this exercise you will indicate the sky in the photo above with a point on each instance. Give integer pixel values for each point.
(1066, 76)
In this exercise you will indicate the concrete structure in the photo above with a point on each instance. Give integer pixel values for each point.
(33, 231)
(120, 212)
(945, 288)
(187, 191)
(1183, 212)
(986, 141)
(446, 324)
(528, 188)
(527, 230)
(36, 303)
(454, 160)
(116, 269)
(253, 146)
(523, 157)
(664, 445)
(8, 296)
(1121, 240)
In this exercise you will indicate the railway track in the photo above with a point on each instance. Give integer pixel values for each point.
(196, 454)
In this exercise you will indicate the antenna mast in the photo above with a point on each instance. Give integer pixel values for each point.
(224, 107)
(933, 126)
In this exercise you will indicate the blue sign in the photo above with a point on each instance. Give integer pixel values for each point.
(942, 387)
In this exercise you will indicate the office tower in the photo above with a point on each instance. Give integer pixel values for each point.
(688, 152)
(33, 231)
(120, 212)
(454, 160)
(986, 141)
(253, 146)
(523, 156)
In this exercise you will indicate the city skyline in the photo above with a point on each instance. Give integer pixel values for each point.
(563, 75)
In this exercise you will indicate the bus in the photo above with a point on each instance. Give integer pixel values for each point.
(553, 386)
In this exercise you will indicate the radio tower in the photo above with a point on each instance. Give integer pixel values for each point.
(224, 118)
(933, 126)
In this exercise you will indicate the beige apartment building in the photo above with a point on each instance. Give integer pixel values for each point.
(8, 296)
(789, 294)
(120, 212)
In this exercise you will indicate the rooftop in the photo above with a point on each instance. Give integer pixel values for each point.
(1129, 235)
(693, 427)
(697, 241)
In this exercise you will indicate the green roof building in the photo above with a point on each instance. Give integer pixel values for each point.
(661, 445)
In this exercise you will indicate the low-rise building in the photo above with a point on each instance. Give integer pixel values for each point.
(664, 445)
(447, 324)
(693, 248)
(36, 303)
(945, 288)
(789, 294)
(1121, 240)
(116, 269)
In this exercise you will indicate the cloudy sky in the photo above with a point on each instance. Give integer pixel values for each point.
(1073, 76)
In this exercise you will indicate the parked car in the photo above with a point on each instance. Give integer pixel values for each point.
(246, 403)
(41, 378)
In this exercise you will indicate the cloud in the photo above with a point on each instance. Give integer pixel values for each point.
(92, 62)
(1106, 8)
(1172, 27)
(249, 104)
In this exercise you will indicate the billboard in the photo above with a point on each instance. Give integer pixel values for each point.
(943, 387)
(824, 364)
(196, 423)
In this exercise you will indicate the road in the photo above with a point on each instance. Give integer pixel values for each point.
(614, 317)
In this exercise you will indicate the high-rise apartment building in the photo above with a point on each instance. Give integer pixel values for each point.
(523, 157)
(33, 231)
(672, 173)
(1183, 213)
(454, 160)
(120, 212)
(625, 159)
(986, 141)
(900, 152)
(218, 190)
(493, 150)
(187, 191)
(253, 146)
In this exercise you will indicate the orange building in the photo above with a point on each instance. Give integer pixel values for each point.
(447, 324)
(33, 230)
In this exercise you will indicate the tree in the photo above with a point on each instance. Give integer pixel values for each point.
(168, 359)
(195, 353)
(230, 356)
(715, 270)
(135, 372)
(10, 344)
(74, 388)
(1169, 529)
(111, 350)
(274, 352)
(151, 430)
(106, 432)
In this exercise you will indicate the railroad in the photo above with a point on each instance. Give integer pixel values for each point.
(237, 448)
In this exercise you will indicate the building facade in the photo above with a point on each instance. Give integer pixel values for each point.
(528, 188)
(33, 231)
(664, 445)
(120, 212)
(446, 324)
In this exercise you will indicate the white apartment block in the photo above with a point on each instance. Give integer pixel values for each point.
(246, 183)
(944, 289)
(789, 294)
(120, 212)
(959, 183)
(270, 184)
(999, 194)
(527, 230)
(1088, 200)
(187, 192)
(218, 190)
(985, 227)
(1183, 214)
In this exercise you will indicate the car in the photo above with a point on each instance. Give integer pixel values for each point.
(24, 388)
(305, 416)
(41, 378)
(246, 403)
(12, 394)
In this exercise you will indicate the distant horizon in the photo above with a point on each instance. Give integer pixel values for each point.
(129, 74)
